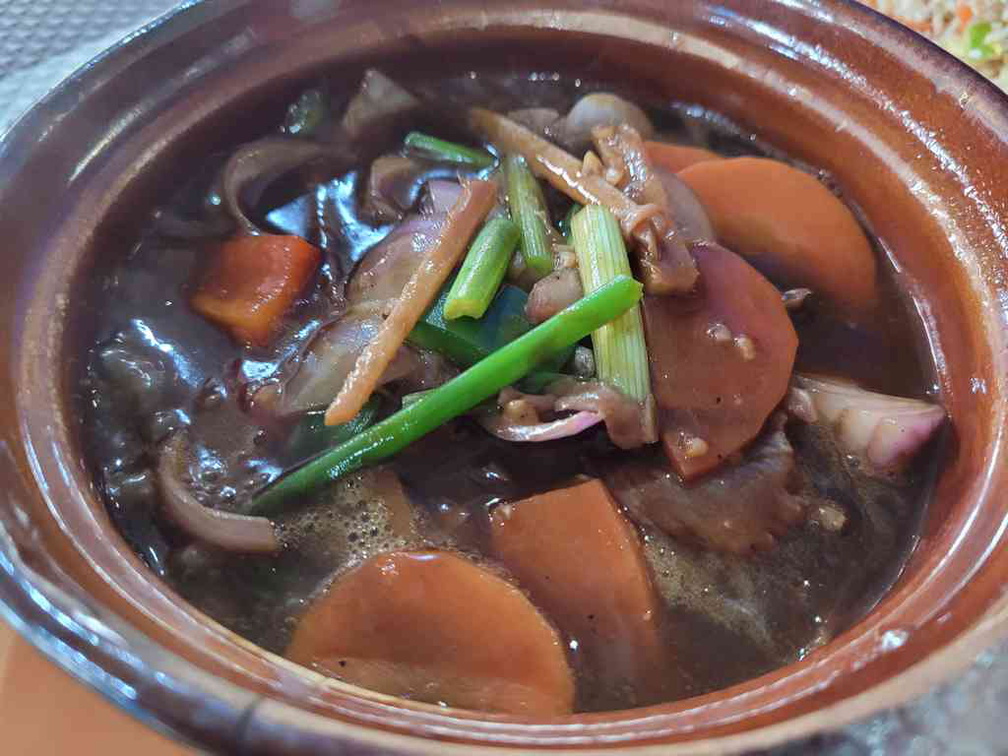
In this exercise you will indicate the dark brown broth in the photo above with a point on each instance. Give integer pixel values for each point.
(156, 366)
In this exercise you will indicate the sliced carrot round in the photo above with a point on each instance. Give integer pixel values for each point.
(676, 157)
(721, 363)
(788, 225)
(435, 627)
(582, 561)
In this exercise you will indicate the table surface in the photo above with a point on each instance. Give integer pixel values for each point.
(43, 41)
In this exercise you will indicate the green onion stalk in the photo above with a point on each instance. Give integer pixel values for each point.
(459, 395)
(448, 152)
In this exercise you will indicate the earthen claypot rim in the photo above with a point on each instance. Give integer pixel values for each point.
(18, 594)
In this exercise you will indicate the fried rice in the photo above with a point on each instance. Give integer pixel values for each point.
(975, 31)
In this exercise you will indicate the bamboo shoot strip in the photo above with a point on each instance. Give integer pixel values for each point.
(483, 380)
(666, 265)
(473, 205)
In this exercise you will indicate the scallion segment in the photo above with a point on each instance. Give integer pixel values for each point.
(528, 208)
(459, 395)
(620, 352)
(449, 152)
(483, 270)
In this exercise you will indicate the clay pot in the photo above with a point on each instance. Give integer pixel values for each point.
(917, 141)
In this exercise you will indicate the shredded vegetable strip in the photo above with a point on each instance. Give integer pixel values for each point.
(465, 217)
(665, 263)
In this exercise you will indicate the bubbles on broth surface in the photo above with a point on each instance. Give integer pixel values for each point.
(361, 515)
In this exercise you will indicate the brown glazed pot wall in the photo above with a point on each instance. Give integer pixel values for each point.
(916, 141)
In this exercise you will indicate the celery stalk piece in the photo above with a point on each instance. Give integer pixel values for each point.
(483, 270)
(528, 208)
(620, 351)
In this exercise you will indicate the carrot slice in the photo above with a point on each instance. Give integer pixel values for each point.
(719, 364)
(433, 626)
(676, 157)
(252, 281)
(582, 563)
(789, 226)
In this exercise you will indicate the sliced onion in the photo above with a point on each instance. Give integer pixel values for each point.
(551, 431)
(392, 188)
(884, 430)
(395, 182)
(441, 195)
(227, 530)
(256, 165)
(387, 266)
(320, 371)
(629, 423)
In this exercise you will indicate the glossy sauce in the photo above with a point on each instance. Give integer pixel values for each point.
(156, 366)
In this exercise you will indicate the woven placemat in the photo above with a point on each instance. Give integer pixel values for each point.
(44, 41)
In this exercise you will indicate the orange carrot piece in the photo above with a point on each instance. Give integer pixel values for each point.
(433, 626)
(252, 282)
(474, 203)
(964, 14)
(789, 226)
(581, 561)
(676, 157)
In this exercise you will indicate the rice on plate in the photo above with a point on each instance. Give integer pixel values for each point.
(975, 31)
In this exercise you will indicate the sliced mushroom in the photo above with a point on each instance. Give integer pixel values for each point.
(602, 109)
(551, 294)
